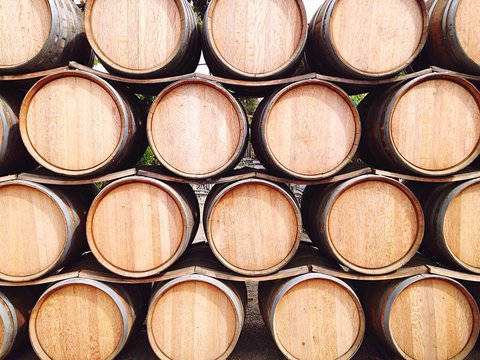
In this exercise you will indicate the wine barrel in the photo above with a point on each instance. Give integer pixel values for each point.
(428, 126)
(14, 158)
(453, 37)
(255, 39)
(139, 226)
(40, 35)
(43, 228)
(74, 123)
(370, 224)
(15, 307)
(313, 316)
(144, 38)
(85, 319)
(253, 226)
(367, 40)
(423, 317)
(197, 129)
(452, 226)
(196, 317)
(308, 130)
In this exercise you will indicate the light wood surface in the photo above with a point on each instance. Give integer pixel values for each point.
(467, 174)
(253, 226)
(308, 130)
(313, 317)
(254, 39)
(137, 227)
(466, 19)
(197, 129)
(194, 317)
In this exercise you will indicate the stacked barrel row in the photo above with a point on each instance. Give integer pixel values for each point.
(76, 124)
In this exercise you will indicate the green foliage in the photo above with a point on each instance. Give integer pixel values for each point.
(249, 104)
(357, 98)
(148, 158)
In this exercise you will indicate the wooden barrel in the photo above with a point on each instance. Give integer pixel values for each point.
(138, 226)
(39, 35)
(85, 319)
(304, 122)
(370, 224)
(253, 226)
(197, 129)
(452, 227)
(144, 38)
(429, 126)
(453, 37)
(14, 158)
(313, 316)
(15, 307)
(423, 317)
(255, 39)
(42, 228)
(196, 317)
(75, 123)
(368, 40)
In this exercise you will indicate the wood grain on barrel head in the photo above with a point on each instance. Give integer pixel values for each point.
(34, 231)
(254, 228)
(466, 21)
(24, 28)
(135, 35)
(256, 36)
(435, 125)
(318, 319)
(76, 321)
(312, 129)
(432, 319)
(71, 123)
(4, 326)
(136, 227)
(461, 226)
(376, 36)
(373, 225)
(192, 320)
(196, 129)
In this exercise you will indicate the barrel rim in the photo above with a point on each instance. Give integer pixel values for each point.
(215, 53)
(211, 242)
(64, 210)
(283, 92)
(181, 205)
(242, 120)
(233, 298)
(389, 301)
(8, 317)
(22, 120)
(416, 240)
(291, 283)
(363, 73)
(104, 58)
(391, 108)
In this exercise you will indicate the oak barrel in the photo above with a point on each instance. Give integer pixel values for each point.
(43, 228)
(423, 317)
(452, 232)
(75, 123)
(197, 129)
(14, 158)
(15, 307)
(453, 37)
(255, 39)
(428, 126)
(144, 38)
(307, 130)
(41, 34)
(367, 40)
(370, 224)
(196, 317)
(139, 226)
(253, 226)
(313, 316)
(85, 319)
